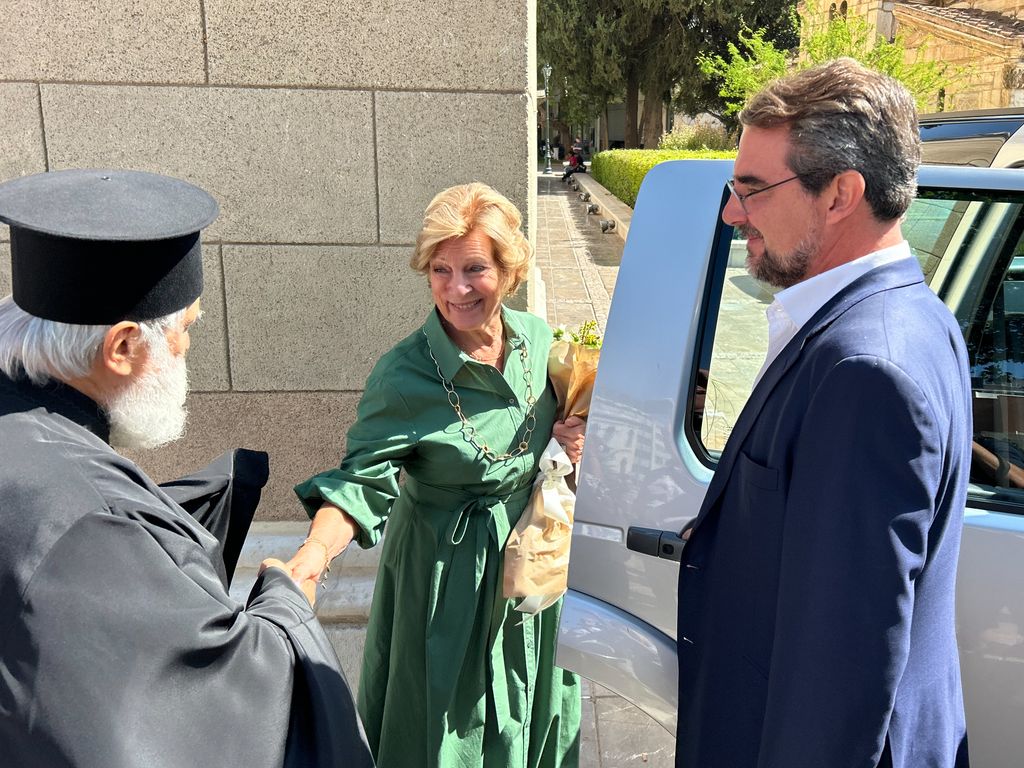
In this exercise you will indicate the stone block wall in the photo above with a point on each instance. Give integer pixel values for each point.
(977, 58)
(323, 129)
(976, 61)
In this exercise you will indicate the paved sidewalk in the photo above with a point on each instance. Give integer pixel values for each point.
(578, 265)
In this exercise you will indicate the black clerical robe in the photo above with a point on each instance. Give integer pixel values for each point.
(119, 644)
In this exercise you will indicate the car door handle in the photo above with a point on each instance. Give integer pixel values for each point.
(655, 542)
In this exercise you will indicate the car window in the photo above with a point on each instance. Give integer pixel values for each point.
(735, 337)
(971, 249)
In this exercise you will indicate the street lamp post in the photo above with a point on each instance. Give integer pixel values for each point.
(546, 69)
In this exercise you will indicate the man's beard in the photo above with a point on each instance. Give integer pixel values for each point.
(783, 270)
(151, 412)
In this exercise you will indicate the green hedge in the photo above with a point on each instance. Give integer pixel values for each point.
(621, 171)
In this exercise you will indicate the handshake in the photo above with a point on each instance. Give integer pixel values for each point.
(329, 535)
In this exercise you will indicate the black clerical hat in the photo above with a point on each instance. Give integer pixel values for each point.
(95, 247)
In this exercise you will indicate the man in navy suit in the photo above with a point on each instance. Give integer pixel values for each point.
(816, 590)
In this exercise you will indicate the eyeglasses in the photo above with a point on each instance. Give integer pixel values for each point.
(731, 183)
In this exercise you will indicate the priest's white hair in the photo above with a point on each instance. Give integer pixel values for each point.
(45, 349)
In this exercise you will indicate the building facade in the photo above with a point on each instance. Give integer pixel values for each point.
(323, 129)
(981, 40)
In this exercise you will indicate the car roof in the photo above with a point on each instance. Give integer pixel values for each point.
(973, 115)
(980, 137)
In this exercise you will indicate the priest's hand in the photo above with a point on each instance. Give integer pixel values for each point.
(272, 562)
(308, 586)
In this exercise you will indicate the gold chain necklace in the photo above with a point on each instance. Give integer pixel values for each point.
(469, 431)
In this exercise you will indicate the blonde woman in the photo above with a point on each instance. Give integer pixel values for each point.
(451, 675)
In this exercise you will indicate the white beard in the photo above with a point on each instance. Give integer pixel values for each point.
(151, 411)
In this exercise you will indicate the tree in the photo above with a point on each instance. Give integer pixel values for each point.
(696, 28)
(755, 61)
(578, 39)
(743, 74)
(697, 91)
(599, 48)
(667, 38)
(609, 49)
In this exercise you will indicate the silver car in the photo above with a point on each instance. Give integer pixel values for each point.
(686, 336)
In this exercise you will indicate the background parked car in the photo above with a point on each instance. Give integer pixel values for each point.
(983, 138)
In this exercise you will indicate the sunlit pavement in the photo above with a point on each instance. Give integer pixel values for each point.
(577, 262)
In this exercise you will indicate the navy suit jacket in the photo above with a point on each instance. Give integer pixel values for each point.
(816, 591)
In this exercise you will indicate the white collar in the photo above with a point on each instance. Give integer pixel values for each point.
(801, 302)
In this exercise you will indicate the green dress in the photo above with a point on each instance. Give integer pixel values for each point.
(452, 675)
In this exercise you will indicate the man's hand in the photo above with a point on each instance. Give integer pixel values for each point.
(273, 562)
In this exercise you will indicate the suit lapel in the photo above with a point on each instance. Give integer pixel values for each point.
(895, 275)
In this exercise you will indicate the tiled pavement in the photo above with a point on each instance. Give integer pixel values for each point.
(579, 265)
(577, 262)
(614, 733)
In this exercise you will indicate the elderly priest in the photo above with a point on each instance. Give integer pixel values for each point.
(119, 644)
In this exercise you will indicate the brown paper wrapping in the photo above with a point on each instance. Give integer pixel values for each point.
(537, 550)
(572, 369)
(536, 567)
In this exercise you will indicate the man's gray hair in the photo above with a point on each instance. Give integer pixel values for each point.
(45, 349)
(843, 116)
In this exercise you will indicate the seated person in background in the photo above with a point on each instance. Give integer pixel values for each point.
(996, 462)
(575, 164)
(121, 645)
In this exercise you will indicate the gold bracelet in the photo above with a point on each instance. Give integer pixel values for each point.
(323, 575)
(327, 552)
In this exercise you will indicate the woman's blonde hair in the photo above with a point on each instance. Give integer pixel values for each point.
(459, 210)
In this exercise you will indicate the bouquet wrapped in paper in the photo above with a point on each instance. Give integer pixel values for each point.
(537, 552)
(572, 368)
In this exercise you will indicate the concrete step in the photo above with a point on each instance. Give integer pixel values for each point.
(345, 598)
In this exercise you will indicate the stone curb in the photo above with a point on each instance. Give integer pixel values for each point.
(611, 208)
(538, 304)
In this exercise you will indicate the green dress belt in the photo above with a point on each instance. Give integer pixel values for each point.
(469, 561)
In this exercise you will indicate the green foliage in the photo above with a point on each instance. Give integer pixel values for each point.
(601, 50)
(700, 136)
(755, 61)
(856, 38)
(747, 70)
(621, 171)
(586, 335)
(581, 42)
(698, 91)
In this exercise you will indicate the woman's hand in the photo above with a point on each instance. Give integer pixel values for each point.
(308, 563)
(308, 587)
(570, 434)
(329, 534)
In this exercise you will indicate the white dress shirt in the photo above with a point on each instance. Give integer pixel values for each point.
(796, 305)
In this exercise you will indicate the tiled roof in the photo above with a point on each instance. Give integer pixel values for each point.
(960, 14)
